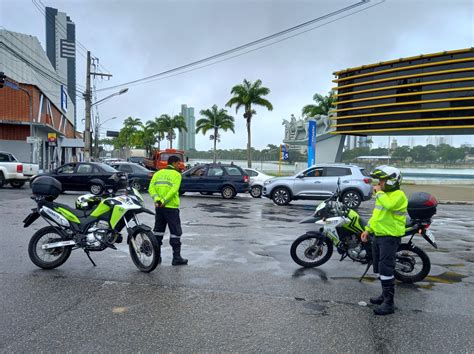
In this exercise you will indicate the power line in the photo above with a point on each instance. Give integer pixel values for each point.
(59, 26)
(53, 74)
(249, 44)
(40, 71)
(249, 51)
(81, 48)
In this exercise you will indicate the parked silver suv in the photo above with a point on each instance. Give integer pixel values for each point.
(320, 182)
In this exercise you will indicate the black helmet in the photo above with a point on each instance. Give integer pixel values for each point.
(391, 174)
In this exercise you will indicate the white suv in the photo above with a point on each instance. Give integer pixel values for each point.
(320, 182)
(257, 179)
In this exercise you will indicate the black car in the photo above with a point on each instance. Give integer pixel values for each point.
(215, 178)
(139, 177)
(88, 176)
(136, 159)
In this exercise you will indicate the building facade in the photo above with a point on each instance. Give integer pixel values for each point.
(428, 94)
(187, 139)
(61, 49)
(40, 110)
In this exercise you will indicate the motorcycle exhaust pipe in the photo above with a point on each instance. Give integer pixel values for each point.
(58, 244)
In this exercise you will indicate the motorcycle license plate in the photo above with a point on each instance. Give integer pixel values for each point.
(430, 235)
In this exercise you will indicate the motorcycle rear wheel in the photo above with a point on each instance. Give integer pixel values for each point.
(311, 251)
(407, 264)
(148, 255)
(47, 259)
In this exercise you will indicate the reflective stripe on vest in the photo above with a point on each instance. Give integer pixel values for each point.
(164, 182)
(396, 212)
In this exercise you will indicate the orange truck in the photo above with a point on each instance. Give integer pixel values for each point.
(159, 159)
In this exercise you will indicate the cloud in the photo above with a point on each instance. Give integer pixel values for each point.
(139, 38)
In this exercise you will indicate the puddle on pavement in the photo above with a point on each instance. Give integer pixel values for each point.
(428, 286)
(315, 307)
(230, 217)
(273, 218)
(446, 278)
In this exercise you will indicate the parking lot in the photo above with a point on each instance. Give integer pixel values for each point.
(240, 292)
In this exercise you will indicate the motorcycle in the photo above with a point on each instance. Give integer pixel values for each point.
(340, 227)
(96, 227)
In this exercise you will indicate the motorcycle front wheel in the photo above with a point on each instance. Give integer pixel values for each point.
(144, 250)
(311, 250)
(50, 258)
(412, 264)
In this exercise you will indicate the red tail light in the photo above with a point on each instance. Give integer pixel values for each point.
(367, 180)
(246, 179)
(431, 202)
(19, 168)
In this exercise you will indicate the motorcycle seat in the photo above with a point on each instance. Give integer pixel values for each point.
(81, 214)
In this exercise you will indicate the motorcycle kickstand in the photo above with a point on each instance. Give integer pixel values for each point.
(88, 256)
(366, 270)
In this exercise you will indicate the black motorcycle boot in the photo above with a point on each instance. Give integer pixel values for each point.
(376, 300)
(177, 259)
(159, 238)
(388, 292)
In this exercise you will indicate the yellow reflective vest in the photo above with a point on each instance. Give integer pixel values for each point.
(389, 215)
(164, 187)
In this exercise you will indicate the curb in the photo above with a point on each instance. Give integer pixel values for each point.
(455, 202)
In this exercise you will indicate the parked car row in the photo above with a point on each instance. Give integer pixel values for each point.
(317, 182)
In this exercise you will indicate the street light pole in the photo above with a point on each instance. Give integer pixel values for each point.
(97, 130)
(88, 99)
(89, 104)
(32, 132)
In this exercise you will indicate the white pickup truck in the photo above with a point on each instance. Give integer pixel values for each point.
(15, 172)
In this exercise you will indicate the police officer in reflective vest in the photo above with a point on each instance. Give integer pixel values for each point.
(387, 224)
(164, 189)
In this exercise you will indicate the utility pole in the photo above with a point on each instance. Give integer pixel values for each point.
(88, 99)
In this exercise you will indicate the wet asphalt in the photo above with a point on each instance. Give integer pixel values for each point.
(241, 291)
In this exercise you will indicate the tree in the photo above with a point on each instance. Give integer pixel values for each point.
(215, 119)
(126, 135)
(401, 153)
(323, 105)
(148, 136)
(246, 95)
(168, 125)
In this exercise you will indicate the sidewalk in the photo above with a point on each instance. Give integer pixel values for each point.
(445, 193)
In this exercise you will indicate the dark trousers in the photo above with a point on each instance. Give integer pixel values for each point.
(384, 249)
(170, 217)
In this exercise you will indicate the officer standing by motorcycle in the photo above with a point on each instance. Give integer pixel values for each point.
(164, 189)
(387, 224)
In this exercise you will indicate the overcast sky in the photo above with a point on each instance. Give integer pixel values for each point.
(137, 38)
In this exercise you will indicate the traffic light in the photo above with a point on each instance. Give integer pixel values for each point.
(2, 79)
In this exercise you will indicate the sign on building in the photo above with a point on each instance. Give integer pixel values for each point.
(63, 99)
(52, 138)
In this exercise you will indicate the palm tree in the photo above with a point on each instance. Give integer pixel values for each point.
(215, 119)
(147, 137)
(246, 95)
(157, 130)
(323, 105)
(130, 128)
(168, 125)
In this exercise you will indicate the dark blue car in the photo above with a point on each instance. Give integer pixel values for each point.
(215, 178)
